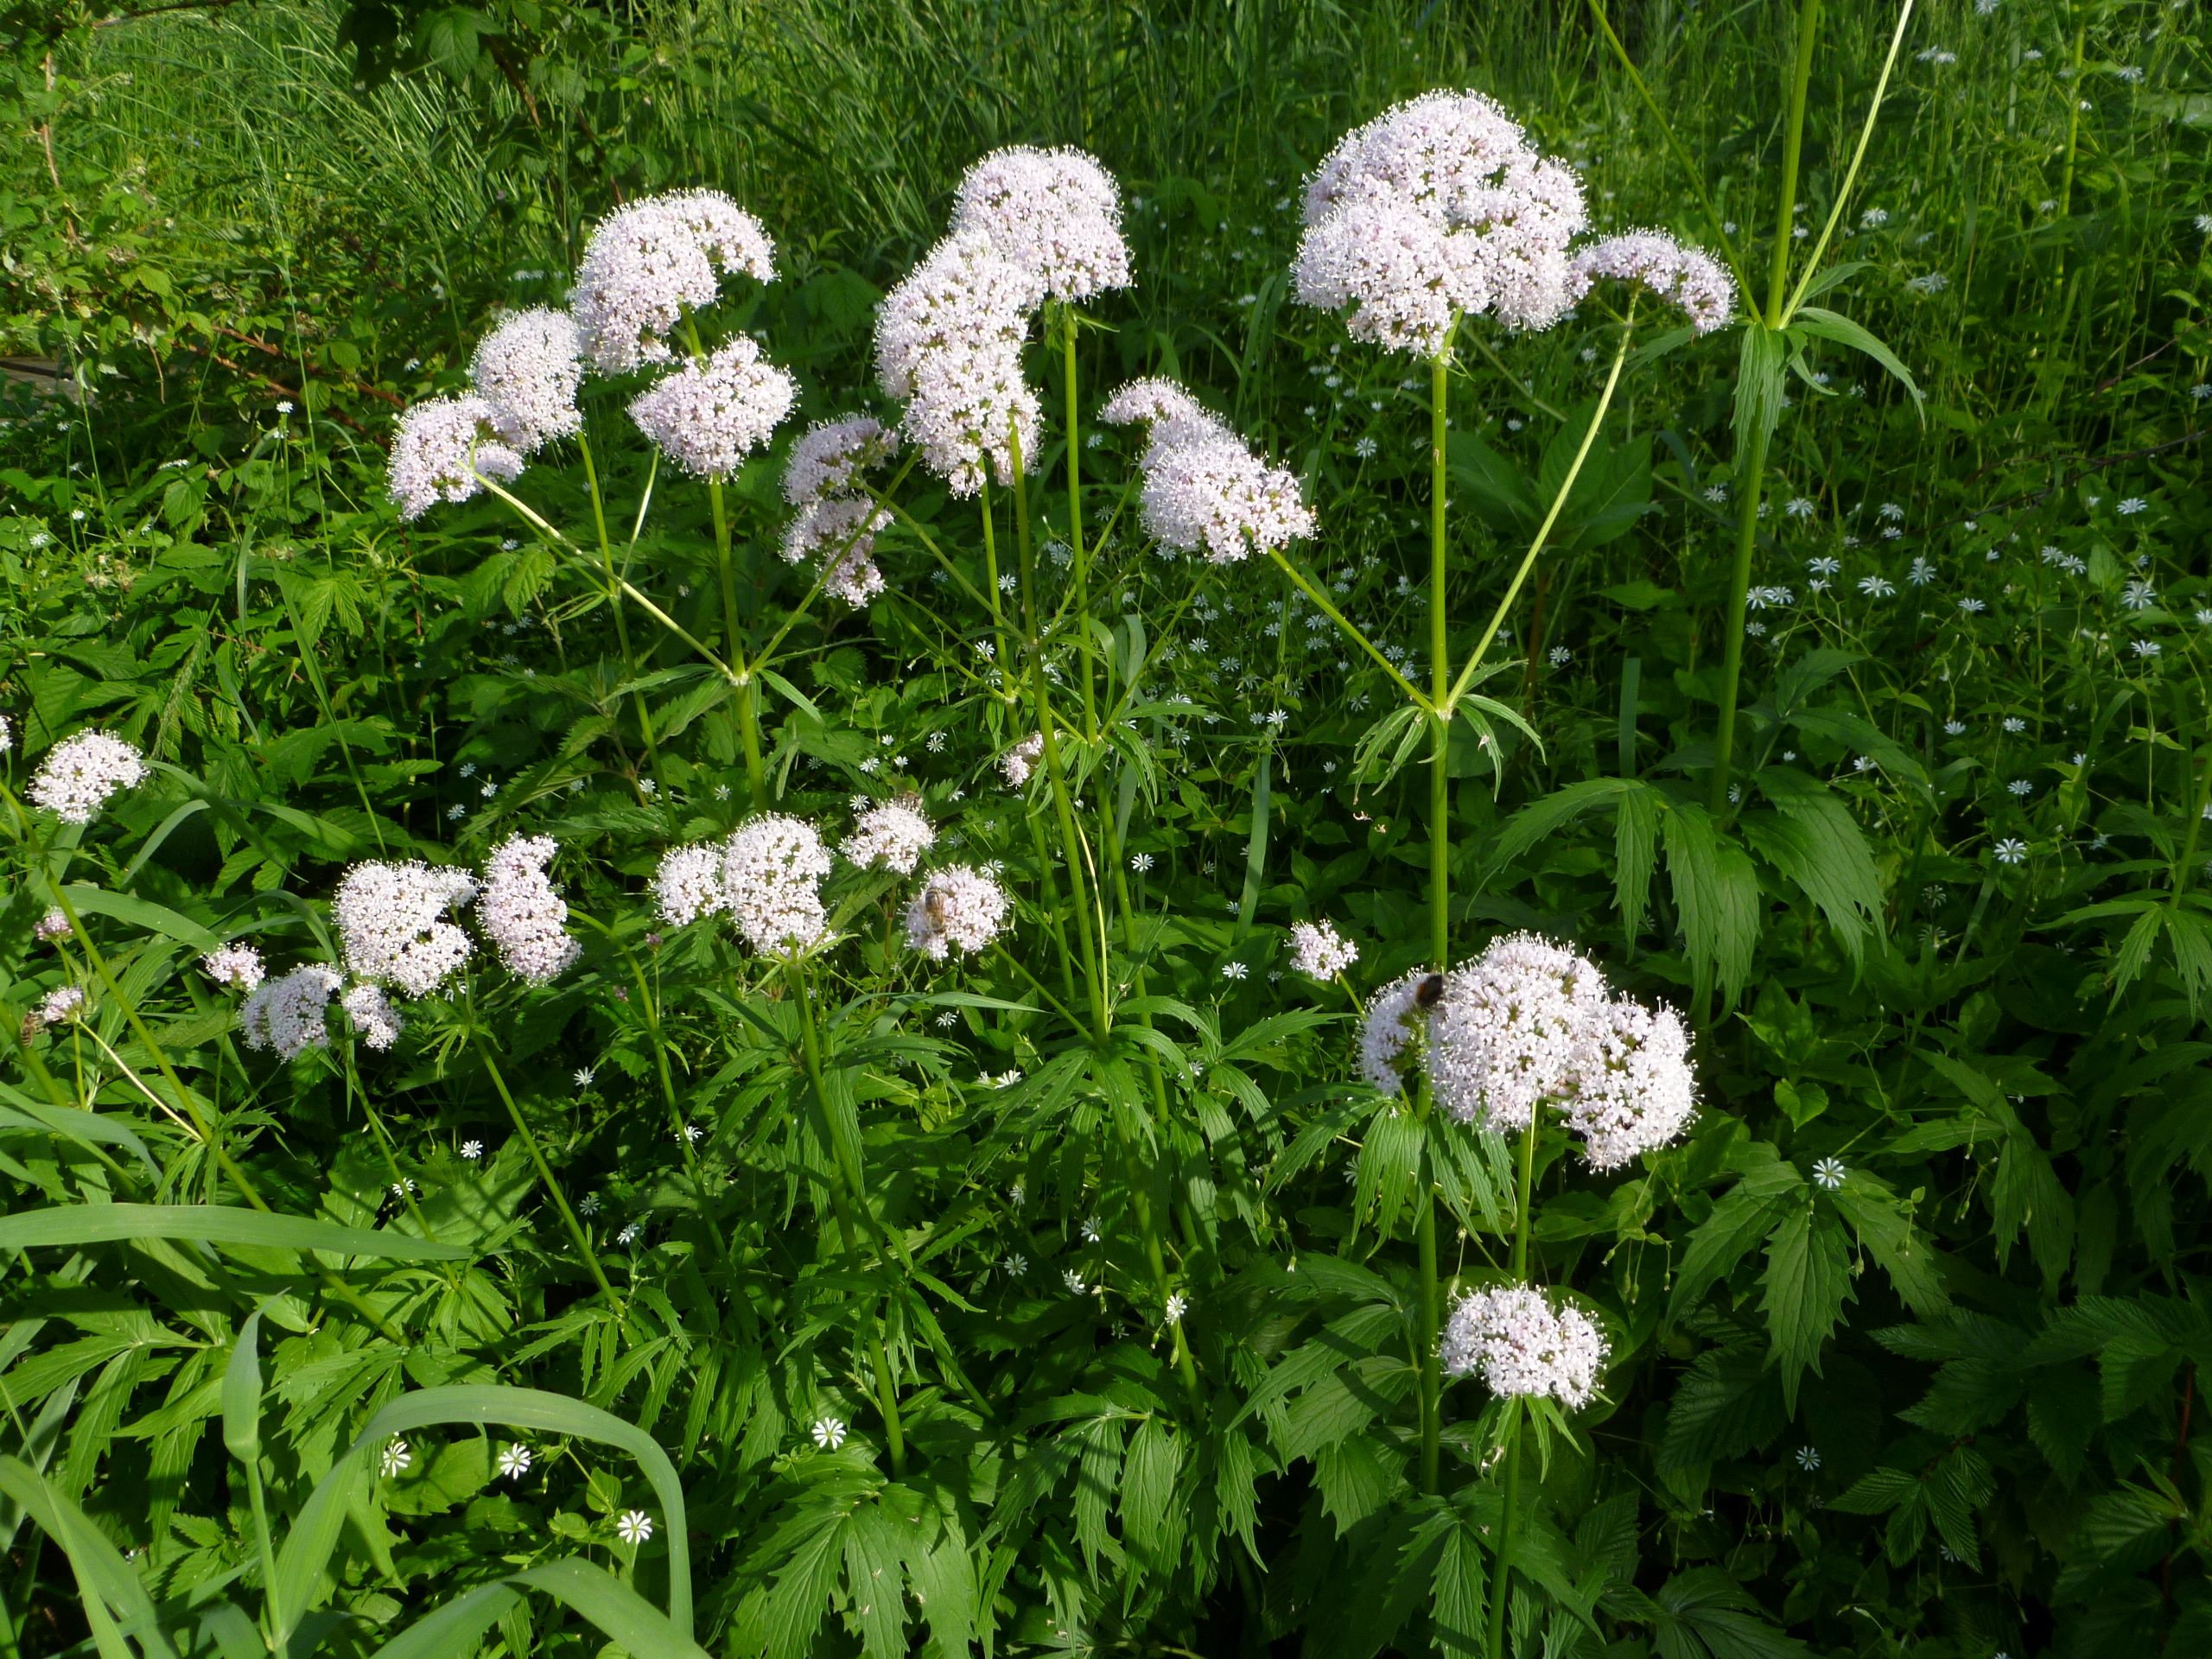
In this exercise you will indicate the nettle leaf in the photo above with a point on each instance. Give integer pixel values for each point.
(1729, 1403)
(1808, 1281)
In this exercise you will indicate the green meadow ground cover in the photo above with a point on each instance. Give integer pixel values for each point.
(1836, 679)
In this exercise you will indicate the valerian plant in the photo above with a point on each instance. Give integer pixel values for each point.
(760, 1079)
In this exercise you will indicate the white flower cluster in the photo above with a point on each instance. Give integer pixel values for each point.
(440, 447)
(1688, 279)
(688, 884)
(959, 907)
(390, 924)
(1522, 1347)
(55, 924)
(1204, 491)
(771, 870)
(1437, 209)
(237, 966)
(527, 370)
(521, 912)
(1017, 762)
(373, 1016)
(1505, 1030)
(948, 339)
(6, 734)
(1317, 950)
(79, 773)
(289, 1014)
(832, 520)
(1631, 1088)
(650, 261)
(708, 416)
(1390, 1036)
(1526, 1024)
(1055, 213)
(894, 834)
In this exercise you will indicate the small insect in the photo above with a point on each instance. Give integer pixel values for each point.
(1430, 992)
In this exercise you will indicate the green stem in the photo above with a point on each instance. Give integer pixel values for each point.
(1551, 516)
(1750, 479)
(1793, 148)
(1505, 1576)
(1075, 533)
(1439, 680)
(1056, 778)
(1432, 1361)
(992, 593)
(1503, 1579)
(846, 1200)
(614, 594)
(544, 1171)
(748, 725)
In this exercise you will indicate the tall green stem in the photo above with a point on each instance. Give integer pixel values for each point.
(1440, 788)
(1431, 1360)
(614, 592)
(1512, 1429)
(1075, 533)
(1439, 907)
(1056, 778)
(1751, 469)
(1102, 1018)
(545, 1170)
(846, 1200)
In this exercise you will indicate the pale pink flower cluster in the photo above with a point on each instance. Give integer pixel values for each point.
(236, 967)
(831, 455)
(289, 1014)
(373, 1016)
(63, 1002)
(440, 447)
(1505, 1030)
(894, 834)
(55, 924)
(1522, 1347)
(650, 261)
(832, 522)
(708, 416)
(6, 734)
(390, 926)
(527, 370)
(1437, 209)
(948, 339)
(959, 907)
(1204, 491)
(688, 884)
(772, 871)
(1317, 950)
(523, 913)
(1056, 214)
(1631, 1088)
(1688, 279)
(79, 773)
(1017, 762)
(1390, 1038)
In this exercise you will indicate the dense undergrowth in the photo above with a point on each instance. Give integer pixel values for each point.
(1075, 1295)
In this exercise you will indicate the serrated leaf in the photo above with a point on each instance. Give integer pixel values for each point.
(1808, 1281)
